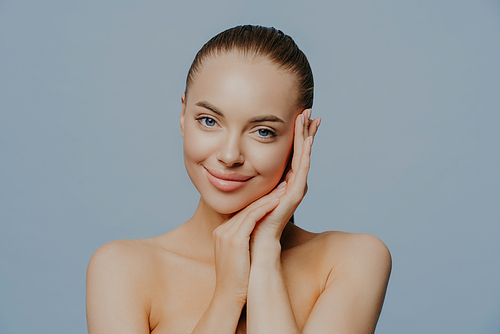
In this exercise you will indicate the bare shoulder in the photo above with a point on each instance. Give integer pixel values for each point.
(339, 246)
(356, 252)
(341, 255)
(122, 255)
(354, 245)
(357, 269)
(123, 262)
(118, 277)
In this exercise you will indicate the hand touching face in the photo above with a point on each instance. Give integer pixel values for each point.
(294, 188)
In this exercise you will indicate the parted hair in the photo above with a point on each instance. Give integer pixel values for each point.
(258, 41)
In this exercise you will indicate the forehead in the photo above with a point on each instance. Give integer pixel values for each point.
(246, 84)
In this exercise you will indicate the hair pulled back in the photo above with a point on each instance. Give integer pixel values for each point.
(258, 41)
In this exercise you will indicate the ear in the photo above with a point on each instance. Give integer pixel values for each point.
(183, 113)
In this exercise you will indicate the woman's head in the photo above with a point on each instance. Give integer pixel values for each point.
(256, 41)
(238, 115)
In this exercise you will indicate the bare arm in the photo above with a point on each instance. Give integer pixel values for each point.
(119, 293)
(269, 309)
(354, 293)
(355, 288)
(116, 292)
(220, 317)
(350, 302)
(232, 266)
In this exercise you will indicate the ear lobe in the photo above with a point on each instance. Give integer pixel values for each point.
(183, 113)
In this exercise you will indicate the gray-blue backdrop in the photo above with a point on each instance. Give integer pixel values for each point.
(409, 93)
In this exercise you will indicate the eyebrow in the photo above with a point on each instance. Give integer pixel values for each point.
(257, 119)
(210, 107)
(266, 118)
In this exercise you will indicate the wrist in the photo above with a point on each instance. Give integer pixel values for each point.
(228, 300)
(265, 254)
(266, 243)
(221, 316)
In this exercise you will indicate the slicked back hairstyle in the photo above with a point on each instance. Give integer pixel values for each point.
(257, 41)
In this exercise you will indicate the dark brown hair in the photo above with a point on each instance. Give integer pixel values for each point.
(255, 41)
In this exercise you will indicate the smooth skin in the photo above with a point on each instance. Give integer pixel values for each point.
(238, 265)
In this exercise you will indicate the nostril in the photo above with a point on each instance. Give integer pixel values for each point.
(230, 154)
(231, 162)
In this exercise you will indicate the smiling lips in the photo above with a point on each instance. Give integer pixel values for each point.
(226, 181)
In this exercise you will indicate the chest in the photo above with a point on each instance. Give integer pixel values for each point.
(184, 289)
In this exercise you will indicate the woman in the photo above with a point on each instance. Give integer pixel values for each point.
(239, 265)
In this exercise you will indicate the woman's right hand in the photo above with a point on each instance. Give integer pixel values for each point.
(232, 266)
(232, 247)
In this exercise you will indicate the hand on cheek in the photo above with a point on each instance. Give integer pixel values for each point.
(272, 225)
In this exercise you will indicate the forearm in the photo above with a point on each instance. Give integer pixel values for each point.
(268, 304)
(221, 316)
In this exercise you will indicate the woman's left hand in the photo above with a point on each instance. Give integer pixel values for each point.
(270, 228)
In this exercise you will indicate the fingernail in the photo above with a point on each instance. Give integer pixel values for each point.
(319, 122)
(302, 119)
(282, 185)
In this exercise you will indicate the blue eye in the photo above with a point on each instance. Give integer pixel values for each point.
(208, 122)
(264, 132)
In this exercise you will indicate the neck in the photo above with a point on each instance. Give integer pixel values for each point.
(204, 221)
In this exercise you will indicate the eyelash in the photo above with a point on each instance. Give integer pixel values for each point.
(201, 118)
(272, 134)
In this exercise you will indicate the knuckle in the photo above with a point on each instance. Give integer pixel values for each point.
(225, 237)
(254, 214)
(237, 241)
(296, 198)
(233, 242)
(218, 232)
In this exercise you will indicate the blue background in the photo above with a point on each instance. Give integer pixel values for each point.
(408, 150)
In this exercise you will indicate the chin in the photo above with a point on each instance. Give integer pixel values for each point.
(228, 203)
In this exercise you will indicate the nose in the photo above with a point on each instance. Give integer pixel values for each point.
(230, 153)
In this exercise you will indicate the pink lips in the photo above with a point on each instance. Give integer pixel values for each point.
(226, 181)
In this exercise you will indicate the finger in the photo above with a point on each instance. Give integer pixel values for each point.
(309, 129)
(276, 192)
(263, 201)
(307, 121)
(251, 219)
(313, 127)
(300, 180)
(298, 140)
(296, 189)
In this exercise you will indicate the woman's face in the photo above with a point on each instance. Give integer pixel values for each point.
(237, 123)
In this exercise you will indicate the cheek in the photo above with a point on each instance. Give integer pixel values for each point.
(193, 147)
(271, 162)
(196, 144)
(196, 149)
